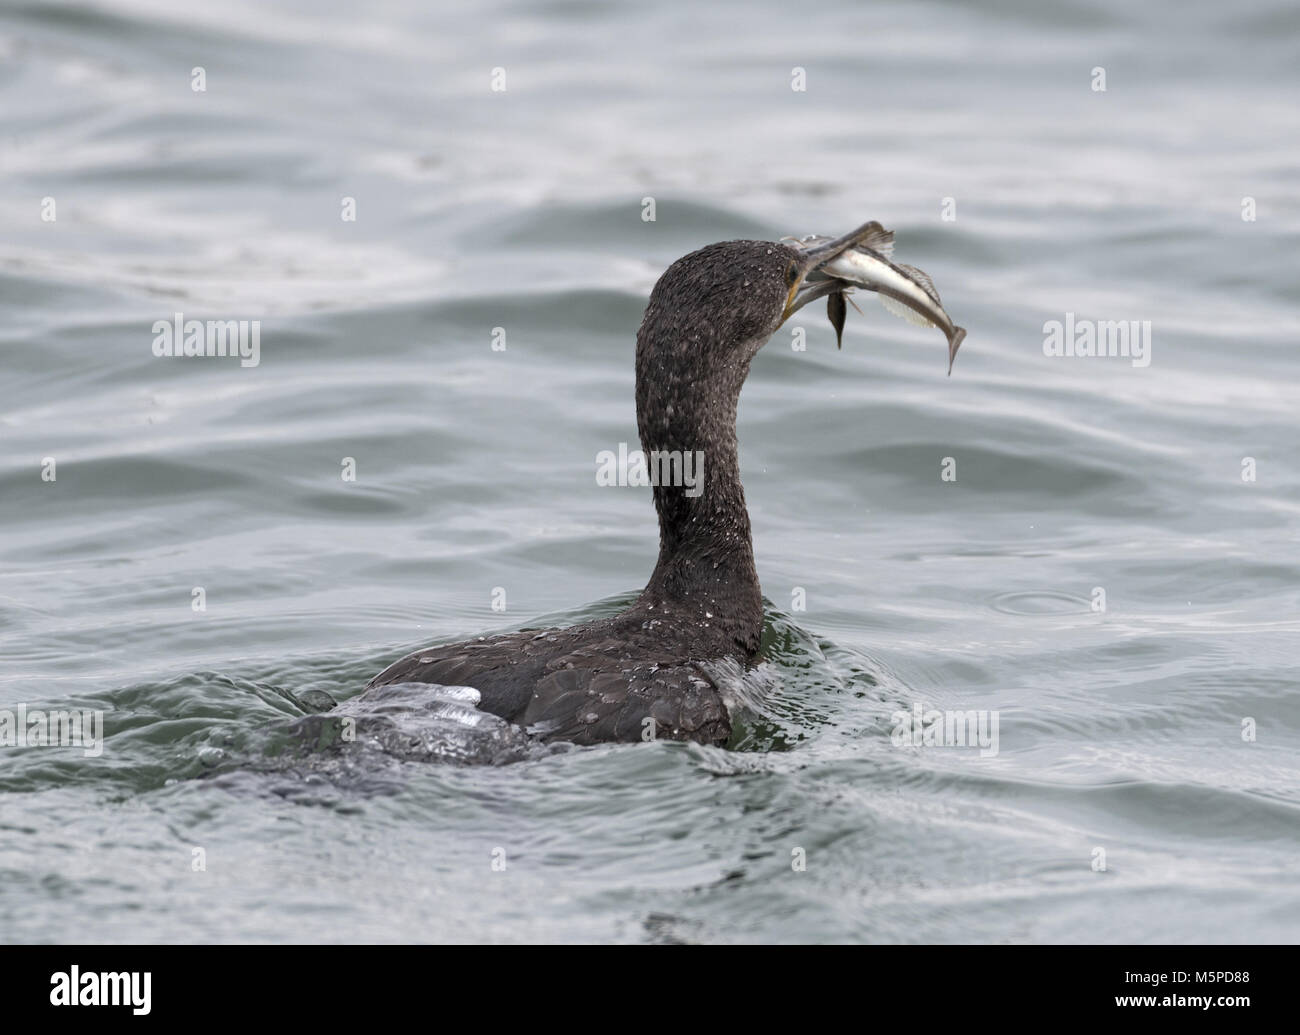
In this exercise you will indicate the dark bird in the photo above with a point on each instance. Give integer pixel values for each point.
(643, 674)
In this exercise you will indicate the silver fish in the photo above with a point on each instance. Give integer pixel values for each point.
(903, 290)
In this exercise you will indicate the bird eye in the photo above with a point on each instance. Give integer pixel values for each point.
(791, 273)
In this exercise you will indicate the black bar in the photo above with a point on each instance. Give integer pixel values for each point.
(335, 984)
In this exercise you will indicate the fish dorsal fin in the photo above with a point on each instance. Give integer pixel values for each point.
(879, 240)
(909, 314)
(922, 278)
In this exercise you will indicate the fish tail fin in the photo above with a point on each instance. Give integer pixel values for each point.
(836, 311)
(954, 343)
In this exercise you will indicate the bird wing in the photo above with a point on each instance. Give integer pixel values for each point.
(572, 688)
(503, 669)
(629, 703)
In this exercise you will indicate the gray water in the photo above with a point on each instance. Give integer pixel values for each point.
(1125, 729)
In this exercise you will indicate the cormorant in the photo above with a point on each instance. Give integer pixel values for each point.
(639, 674)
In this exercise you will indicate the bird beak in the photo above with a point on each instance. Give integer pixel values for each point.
(803, 291)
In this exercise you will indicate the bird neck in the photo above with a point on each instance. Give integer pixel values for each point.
(705, 574)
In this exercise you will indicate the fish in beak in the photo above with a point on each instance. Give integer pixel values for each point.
(864, 259)
(811, 284)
